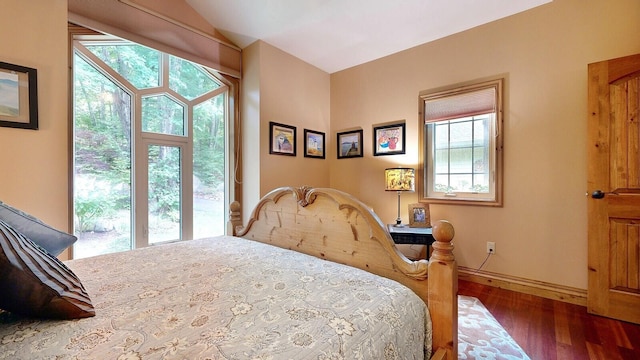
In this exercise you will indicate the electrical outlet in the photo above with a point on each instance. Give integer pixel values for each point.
(491, 247)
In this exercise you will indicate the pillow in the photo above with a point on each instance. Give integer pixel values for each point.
(35, 283)
(54, 241)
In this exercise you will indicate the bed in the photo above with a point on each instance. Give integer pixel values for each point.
(266, 291)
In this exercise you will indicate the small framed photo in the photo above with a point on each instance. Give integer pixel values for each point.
(313, 144)
(18, 96)
(389, 139)
(419, 215)
(282, 139)
(350, 144)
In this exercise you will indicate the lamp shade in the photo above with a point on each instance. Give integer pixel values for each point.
(399, 179)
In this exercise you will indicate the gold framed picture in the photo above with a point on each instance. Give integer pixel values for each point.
(419, 215)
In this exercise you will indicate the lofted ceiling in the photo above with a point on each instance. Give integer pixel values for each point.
(337, 34)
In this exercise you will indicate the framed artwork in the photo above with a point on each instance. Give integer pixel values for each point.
(282, 139)
(419, 215)
(389, 139)
(18, 96)
(350, 144)
(313, 144)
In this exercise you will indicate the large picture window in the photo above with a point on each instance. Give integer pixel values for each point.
(461, 144)
(150, 147)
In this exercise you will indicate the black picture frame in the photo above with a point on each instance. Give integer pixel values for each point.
(282, 139)
(18, 96)
(350, 144)
(389, 139)
(314, 144)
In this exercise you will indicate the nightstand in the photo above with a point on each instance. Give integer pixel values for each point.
(409, 235)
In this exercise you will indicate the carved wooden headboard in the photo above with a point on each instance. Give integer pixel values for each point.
(333, 225)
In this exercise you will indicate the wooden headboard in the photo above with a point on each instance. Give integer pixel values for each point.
(333, 225)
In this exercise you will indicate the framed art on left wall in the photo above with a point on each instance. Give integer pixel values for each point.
(18, 96)
(282, 139)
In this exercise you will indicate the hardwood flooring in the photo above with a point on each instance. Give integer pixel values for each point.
(549, 329)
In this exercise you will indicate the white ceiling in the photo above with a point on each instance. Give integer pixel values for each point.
(337, 34)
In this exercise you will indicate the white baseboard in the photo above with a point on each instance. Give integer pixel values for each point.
(532, 287)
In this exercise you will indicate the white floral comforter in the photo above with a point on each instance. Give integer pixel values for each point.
(227, 298)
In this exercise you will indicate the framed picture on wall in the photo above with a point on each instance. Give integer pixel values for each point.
(313, 144)
(18, 96)
(389, 139)
(350, 144)
(419, 215)
(282, 139)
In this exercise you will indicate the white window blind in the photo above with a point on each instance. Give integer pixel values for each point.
(469, 103)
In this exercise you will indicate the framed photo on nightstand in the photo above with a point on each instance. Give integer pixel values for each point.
(419, 215)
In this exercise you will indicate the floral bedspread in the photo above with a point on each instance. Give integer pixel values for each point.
(227, 298)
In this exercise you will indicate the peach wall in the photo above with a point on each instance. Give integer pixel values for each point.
(540, 233)
(281, 88)
(35, 164)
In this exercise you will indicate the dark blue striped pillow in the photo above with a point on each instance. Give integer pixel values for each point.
(34, 283)
(53, 240)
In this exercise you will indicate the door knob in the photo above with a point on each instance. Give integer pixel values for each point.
(598, 194)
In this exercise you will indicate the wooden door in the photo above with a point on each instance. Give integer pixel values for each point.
(614, 188)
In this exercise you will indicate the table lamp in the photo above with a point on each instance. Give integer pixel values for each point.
(399, 179)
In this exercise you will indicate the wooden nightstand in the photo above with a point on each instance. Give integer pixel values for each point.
(409, 235)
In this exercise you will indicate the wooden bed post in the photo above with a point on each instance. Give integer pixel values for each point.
(443, 291)
(235, 219)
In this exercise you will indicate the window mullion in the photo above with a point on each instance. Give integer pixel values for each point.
(473, 152)
(449, 147)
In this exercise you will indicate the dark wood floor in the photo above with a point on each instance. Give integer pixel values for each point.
(548, 329)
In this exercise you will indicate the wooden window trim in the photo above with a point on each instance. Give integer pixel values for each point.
(422, 173)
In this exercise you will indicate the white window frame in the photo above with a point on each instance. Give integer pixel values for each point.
(142, 139)
(458, 99)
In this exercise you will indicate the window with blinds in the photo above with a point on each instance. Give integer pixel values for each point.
(461, 144)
